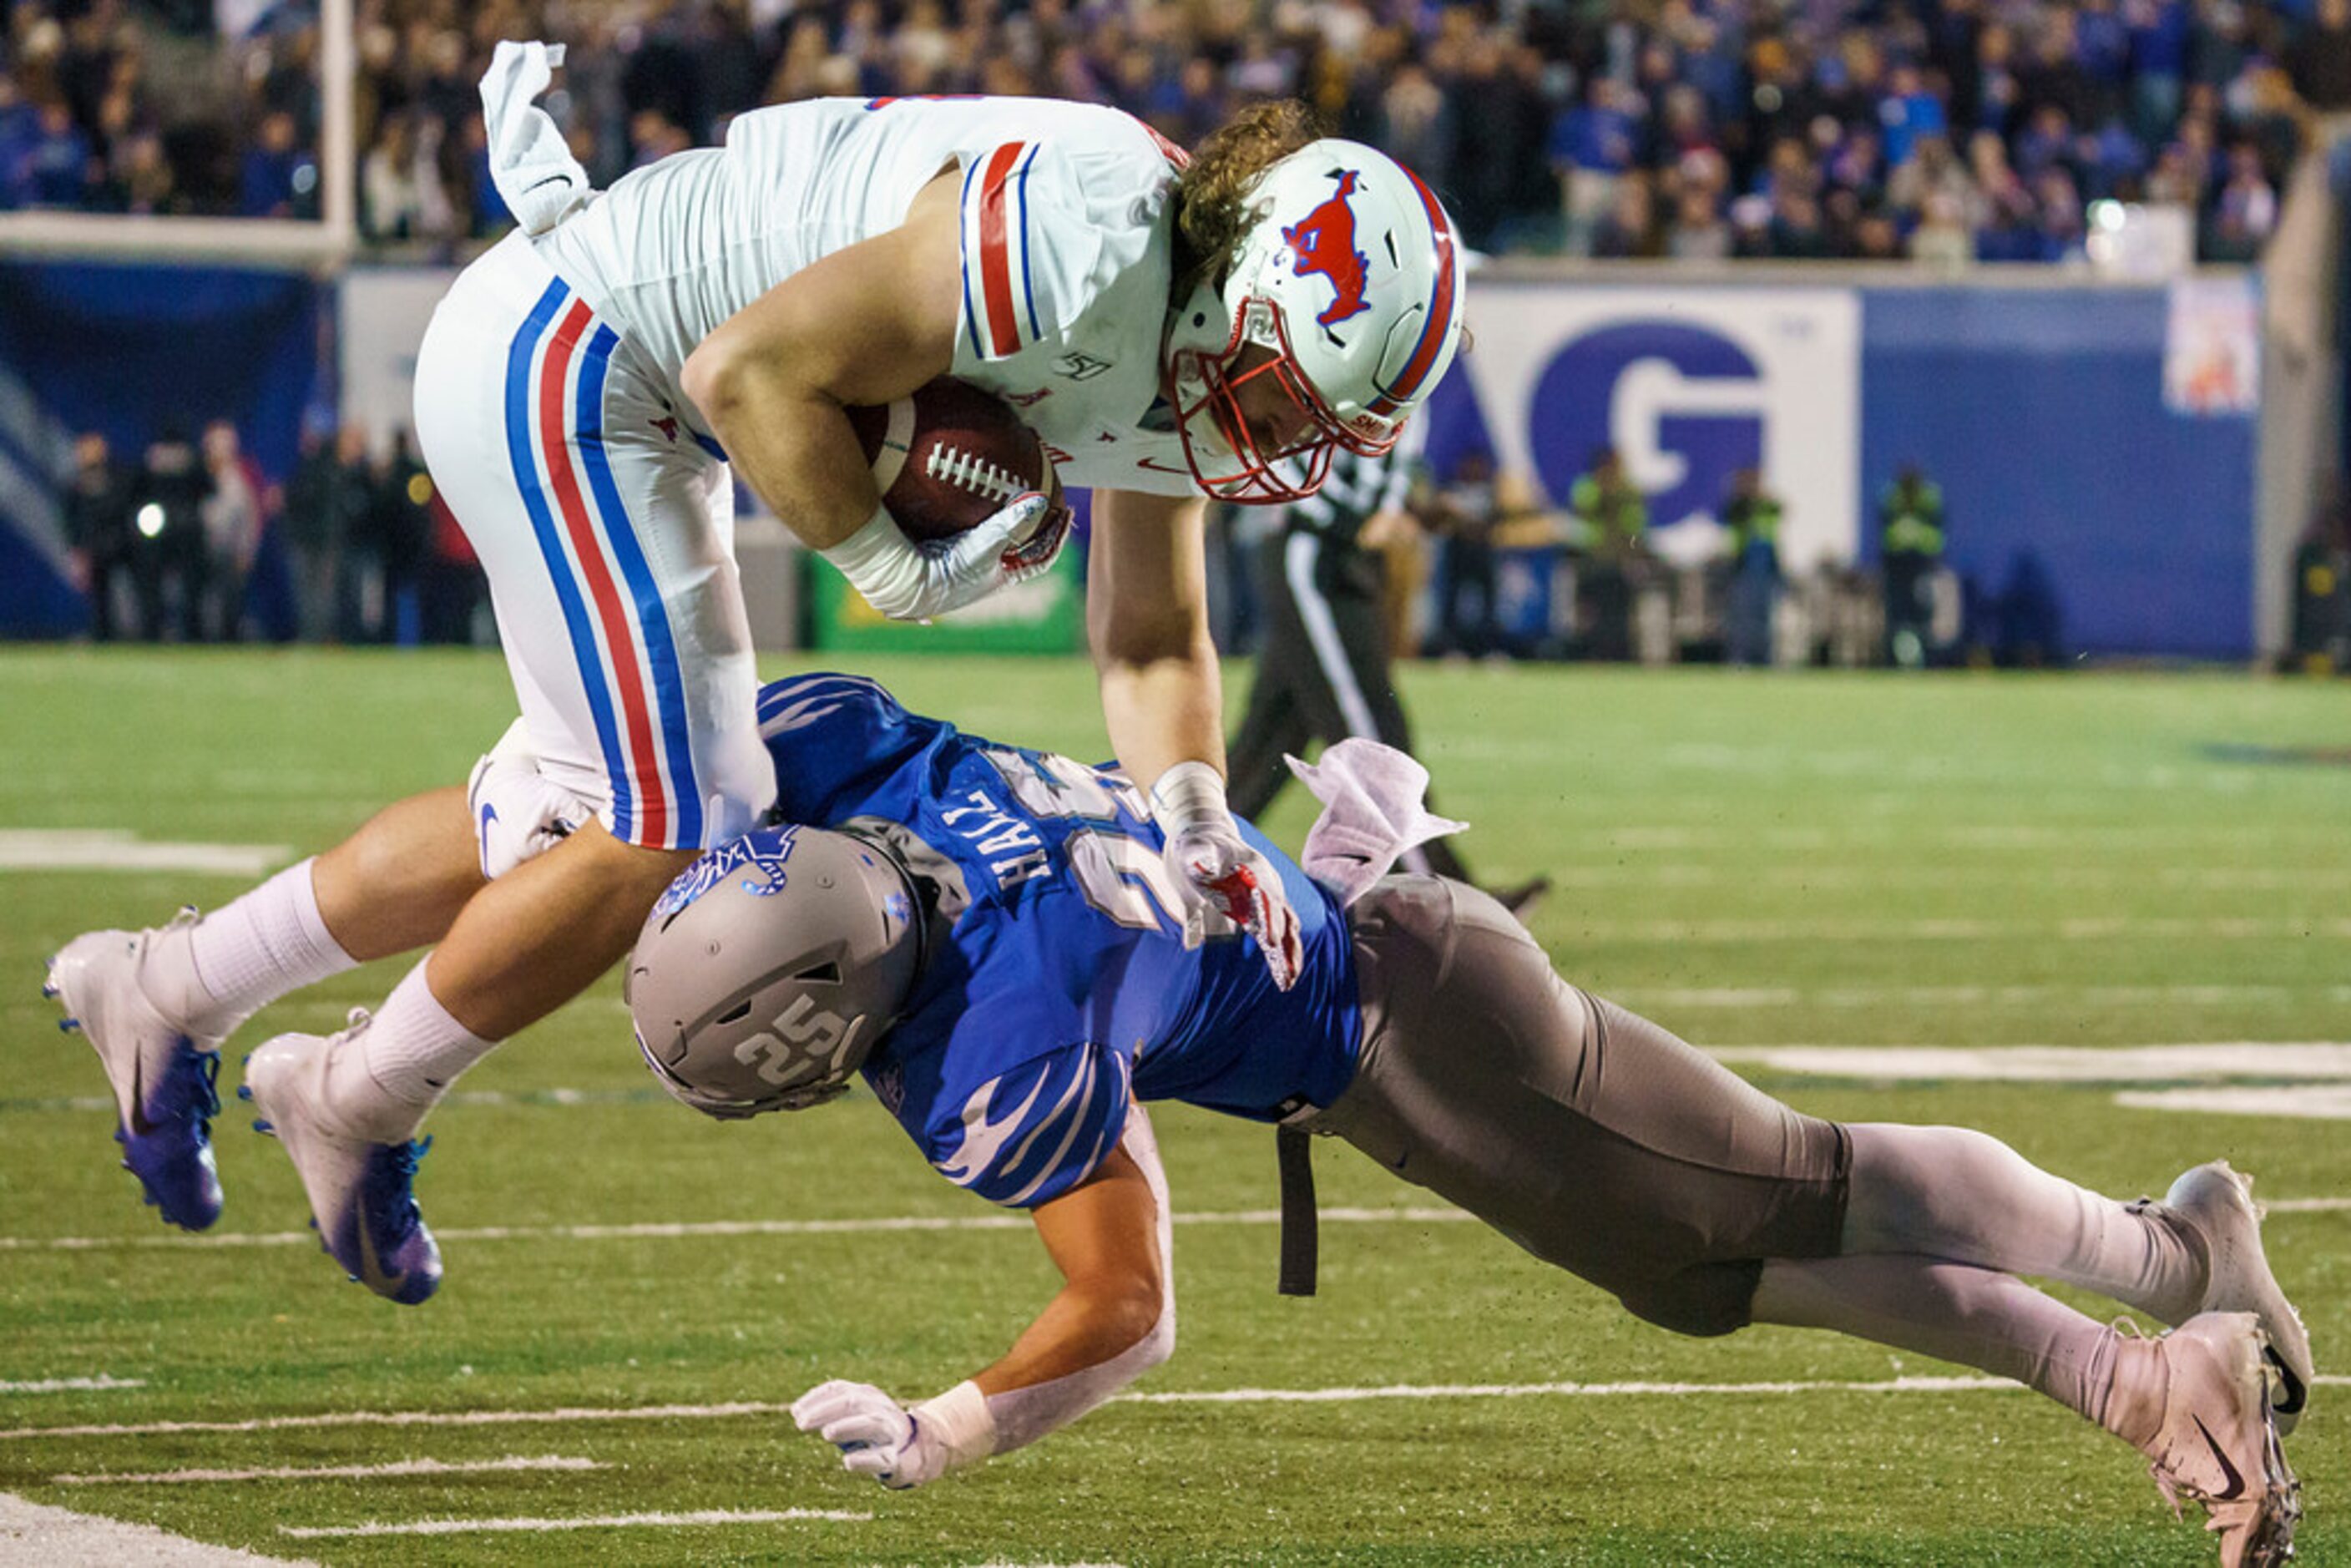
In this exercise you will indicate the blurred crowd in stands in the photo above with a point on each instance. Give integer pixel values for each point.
(189, 541)
(1941, 130)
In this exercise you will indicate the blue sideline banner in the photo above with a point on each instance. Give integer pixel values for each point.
(133, 352)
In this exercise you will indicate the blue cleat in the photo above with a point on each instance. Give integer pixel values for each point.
(363, 1196)
(165, 1078)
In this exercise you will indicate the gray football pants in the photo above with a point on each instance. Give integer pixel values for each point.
(1593, 1138)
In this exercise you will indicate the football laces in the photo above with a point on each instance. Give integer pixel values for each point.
(970, 471)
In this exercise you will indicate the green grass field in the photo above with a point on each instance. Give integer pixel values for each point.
(2076, 861)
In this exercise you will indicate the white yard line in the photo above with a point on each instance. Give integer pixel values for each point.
(102, 1381)
(107, 849)
(601, 1522)
(877, 1225)
(670, 1230)
(1565, 1390)
(2151, 1063)
(1663, 1000)
(559, 1417)
(1963, 929)
(32, 1533)
(330, 1472)
(2300, 1061)
(583, 1414)
(2329, 1103)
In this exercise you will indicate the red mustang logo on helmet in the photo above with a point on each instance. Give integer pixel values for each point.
(1324, 240)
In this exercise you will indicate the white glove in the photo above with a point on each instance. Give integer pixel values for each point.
(1228, 886)
(910, 582)
(519, 814)
(899, 1448)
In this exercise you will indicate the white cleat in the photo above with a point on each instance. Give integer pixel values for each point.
(2217, 1443)
(363, 1203)
(162, 1074)
(2219, 1202)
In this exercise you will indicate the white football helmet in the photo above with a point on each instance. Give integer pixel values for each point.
(1346, 294)
(766, 972)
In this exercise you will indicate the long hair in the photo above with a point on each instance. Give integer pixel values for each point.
(1211, 218)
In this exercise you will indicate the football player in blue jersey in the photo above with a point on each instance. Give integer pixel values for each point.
(989, 937)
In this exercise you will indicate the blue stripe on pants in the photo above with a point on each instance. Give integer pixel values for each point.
(584, 649)
(652, 618)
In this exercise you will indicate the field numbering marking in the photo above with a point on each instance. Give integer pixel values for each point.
(38, 1533)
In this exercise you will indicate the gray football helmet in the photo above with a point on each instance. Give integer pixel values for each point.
(768, 970)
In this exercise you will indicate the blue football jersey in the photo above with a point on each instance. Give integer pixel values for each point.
(1064, 985)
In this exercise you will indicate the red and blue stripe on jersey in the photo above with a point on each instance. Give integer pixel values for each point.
(999, 295)
(612, 611)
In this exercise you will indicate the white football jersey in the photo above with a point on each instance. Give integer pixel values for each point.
(1066, 252)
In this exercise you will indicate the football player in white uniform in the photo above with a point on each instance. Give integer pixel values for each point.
(1174, 328)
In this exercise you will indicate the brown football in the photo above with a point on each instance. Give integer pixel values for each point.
(950, 456)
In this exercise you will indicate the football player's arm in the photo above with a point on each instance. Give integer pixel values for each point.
(866, 325)
(1113, 1320)
(1163, 700)
(1148, 622)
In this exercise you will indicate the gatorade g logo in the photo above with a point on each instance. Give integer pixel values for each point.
(1324, 241)
(1682, 404)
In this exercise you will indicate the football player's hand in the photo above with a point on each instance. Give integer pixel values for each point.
(876, 1436)
(1228, 886)
(518, 813)
(910, 581)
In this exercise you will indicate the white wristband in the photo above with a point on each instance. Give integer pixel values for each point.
(1188, 794)
(876, 545)
(959, 1422)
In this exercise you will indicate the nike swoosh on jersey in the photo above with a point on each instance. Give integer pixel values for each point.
(489, 815)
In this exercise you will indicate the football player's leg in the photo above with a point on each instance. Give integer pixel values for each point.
(1593, 1138)
(2195, 1402)
(608, 553)
(1951, 1193)
(157, 1004)
(1964, 1196)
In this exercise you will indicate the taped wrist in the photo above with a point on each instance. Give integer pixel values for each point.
(960, 1423)
(1189, 795)
(881, 562)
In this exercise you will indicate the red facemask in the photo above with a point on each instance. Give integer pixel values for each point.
(1221, 443)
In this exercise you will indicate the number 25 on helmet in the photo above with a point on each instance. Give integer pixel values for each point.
(1340, 315)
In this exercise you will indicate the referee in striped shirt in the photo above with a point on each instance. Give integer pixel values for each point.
(1322, 665)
